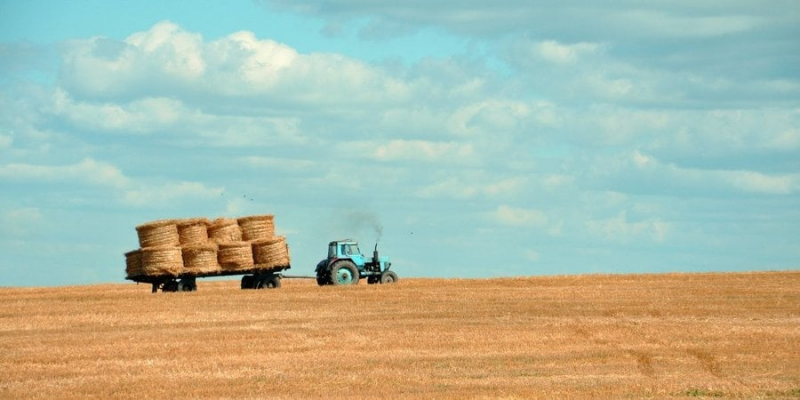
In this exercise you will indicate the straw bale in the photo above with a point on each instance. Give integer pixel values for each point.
(159, 233)
(164, 260)
(201, 259)
(225, 230)
(193, 231)
(234, 256)
(133, 263)
(257, 227)
(271, 253)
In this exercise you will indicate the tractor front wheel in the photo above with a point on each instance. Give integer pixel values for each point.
(344, 273)
(388, 277)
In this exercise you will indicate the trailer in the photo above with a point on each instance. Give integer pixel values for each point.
(257, 277)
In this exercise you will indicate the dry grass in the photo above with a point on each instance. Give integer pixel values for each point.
(675, 336)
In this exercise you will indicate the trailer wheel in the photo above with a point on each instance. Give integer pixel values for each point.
(186, 286)
(170, 286)
(388, 277)
(344, 273)
(248, 282)
(270, 282)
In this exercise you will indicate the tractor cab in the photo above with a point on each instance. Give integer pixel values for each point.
(345, 265)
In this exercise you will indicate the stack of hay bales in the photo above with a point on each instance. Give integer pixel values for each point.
(201, 247)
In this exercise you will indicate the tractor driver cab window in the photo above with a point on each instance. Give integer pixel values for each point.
(353, 249)
(332, 251)
(345, 250)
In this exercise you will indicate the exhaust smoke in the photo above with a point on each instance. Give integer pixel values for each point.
(359, 221)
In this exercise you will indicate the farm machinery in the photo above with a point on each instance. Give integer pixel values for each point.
(346, 265)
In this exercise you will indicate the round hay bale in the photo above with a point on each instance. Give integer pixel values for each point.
(159, 233)
(160, 261)
(257, 227)
(193, 231)
(225, 230)
(133, 263)
(271, 253)
(200, 259)
(235, 256)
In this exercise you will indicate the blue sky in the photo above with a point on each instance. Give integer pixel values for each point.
(498, 138)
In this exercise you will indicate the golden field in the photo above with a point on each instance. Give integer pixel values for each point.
(606, 336)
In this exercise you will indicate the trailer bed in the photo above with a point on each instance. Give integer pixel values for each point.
(170, 283)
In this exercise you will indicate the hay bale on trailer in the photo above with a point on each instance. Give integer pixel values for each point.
(257, 227)
(201, 259)
(225, 230)
(133, 263)
(271, 253)
(193, 231)
(162, 261)
(163, 232)
(235, 256)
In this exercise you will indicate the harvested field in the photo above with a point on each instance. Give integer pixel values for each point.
(673, 336)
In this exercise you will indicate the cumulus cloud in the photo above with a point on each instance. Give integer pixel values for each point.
(168, 60)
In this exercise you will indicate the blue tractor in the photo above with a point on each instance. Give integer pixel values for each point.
(346, 265)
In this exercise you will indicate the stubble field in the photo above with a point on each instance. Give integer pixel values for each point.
(672, 335)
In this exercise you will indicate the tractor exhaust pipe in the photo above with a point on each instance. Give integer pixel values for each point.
(375, 255)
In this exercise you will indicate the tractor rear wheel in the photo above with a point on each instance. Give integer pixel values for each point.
(344, 273)
(388, 277)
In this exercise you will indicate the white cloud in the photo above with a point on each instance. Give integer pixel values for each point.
(788, 139)
(532, 255)
(419, 150)
(242, 56)
(6, 141)
(144, 115)
(564, 54)
(641, 171)
(489, 117)
(166, 59)
(179, 52)
(87, 171)
(512, 216)
(272, 163)
(755, 182)
(92, 172)
(454, 187)
(619, 229)
(449, 188)
(21, 221)
(158, 115)
(144, 195)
